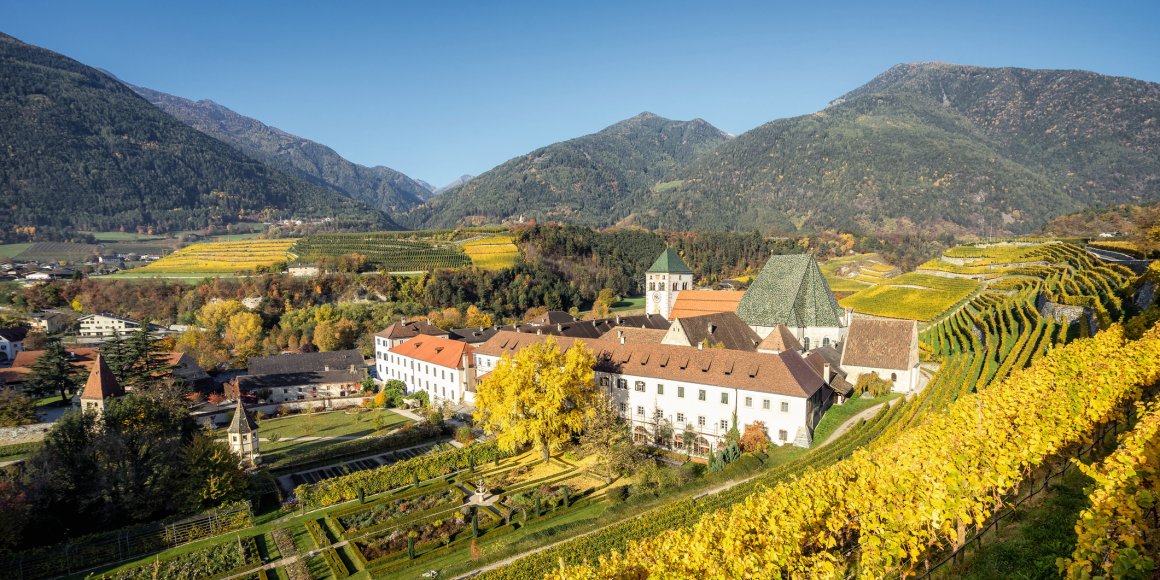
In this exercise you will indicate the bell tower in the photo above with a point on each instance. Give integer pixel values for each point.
(668, 275)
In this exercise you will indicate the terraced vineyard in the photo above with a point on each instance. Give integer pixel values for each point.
(221, 257)
(912, 296)
(390, 251)
(492, 252)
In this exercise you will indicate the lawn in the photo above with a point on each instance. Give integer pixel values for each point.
(836, 415)
(332, 424)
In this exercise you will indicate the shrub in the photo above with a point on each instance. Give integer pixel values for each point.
(464, 434)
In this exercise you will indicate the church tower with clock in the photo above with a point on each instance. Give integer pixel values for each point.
(668, 275)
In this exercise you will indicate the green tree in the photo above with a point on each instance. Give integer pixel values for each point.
(55, 371)
(147, 365)
(606, 436)
(539, 397)
(212, 474)
(16, 409)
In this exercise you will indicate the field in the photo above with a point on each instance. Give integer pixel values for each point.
(58, 251)
(912, 296)
(12, 250)
(492, 253)
(220, 257)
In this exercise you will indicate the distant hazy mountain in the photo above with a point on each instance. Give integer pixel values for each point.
(597, 179)
(82, 151)
(940, 145)
(381, 187)
(462, 179)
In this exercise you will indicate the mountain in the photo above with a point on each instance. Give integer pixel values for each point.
(380, 187)
(83, 152)
(592, 180)
(462, 179)
(941, 146)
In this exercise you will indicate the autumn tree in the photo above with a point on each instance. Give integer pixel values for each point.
(243, 335)
(539, 397)
(606, 437)
(215, 315)
(331, 335)
(755, 437)
(476, 318)
(602, 306)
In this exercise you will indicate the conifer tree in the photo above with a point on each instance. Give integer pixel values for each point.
(54, 371)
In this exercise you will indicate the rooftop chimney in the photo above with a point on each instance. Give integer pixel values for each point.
(622, 339)
(826, 372)
(701, 345)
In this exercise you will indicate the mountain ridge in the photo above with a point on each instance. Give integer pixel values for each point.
(379, 186)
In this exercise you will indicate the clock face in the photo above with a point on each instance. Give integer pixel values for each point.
(656, 296)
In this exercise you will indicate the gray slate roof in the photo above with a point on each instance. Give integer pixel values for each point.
(790, 290)
(723, 328)
(242, 423)
(340, 360)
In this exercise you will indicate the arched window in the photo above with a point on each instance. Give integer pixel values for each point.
(826, 341)
(894, 376)
(806, 343)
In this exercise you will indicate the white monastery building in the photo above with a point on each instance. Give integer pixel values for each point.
(442, 367)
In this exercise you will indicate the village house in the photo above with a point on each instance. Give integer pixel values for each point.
(306, 376)
(106, 325)
(717, 330)
(441, 367)
(402, 331)
(49, 321)
(11, 342)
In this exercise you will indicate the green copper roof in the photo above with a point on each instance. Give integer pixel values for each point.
(790, 290)
(669, 262)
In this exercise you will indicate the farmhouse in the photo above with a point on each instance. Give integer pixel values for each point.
(439, 366)
(11, 342)
(307, 376)
(886, 347)
(49, 321)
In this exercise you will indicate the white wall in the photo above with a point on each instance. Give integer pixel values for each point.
(905, 381)
(817, 335)
(440, 383)
(689, 409)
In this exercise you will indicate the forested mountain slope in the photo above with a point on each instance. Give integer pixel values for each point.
(84, 152)
(939, 145)
(596, 179)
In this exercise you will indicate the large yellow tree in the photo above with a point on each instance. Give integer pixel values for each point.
(540, 396)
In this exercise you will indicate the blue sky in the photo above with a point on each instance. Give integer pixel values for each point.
(439, 89)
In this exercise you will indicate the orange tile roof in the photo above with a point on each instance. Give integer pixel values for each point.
(699, 302)
(781, 338)
(436, 350)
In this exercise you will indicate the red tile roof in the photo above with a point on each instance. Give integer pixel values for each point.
(101, 384)
(436, 350)
(85, 357)
(699, 302)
